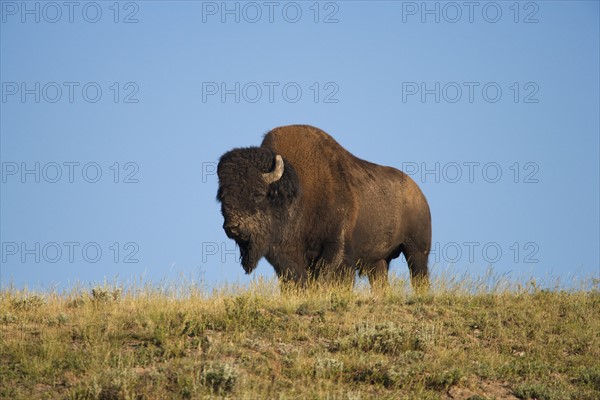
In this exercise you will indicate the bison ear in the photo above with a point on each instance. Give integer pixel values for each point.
(277, 172)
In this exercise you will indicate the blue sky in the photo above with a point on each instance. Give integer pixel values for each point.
(113, 118)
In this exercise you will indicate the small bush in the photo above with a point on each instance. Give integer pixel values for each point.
(76, 302)
(339, 302)
(246, 311)
(591, 377)
(533, 392)
(220, 378)
(29, 302)
(8, 318)
(443, 380)
(328, 368)
(60, 319)
(384, 338)
(106, 294)
(374, 374)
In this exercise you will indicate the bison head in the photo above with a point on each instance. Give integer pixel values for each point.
(257, 190)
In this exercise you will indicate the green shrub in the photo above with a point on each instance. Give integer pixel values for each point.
(219, 377)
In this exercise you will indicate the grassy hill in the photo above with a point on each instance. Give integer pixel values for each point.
(458, 342)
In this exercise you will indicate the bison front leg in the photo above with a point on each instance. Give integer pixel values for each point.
(290, 268)
(334, 268)
(291, 271)
(292, 276)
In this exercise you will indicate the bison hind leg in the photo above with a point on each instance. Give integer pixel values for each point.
(416, 258)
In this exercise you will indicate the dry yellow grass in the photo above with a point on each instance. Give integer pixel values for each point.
(461, 341)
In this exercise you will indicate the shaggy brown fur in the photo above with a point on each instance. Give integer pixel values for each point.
(330, 214)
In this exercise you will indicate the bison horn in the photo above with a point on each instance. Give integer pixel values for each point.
(277, 172)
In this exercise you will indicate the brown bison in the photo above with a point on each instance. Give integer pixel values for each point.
(313, 209)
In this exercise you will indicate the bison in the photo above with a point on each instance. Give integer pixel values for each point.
(313, 209)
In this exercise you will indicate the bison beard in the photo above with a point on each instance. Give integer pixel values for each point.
(314, 210)
(250, 253)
